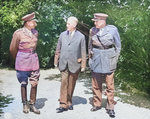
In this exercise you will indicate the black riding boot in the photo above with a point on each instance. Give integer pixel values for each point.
(33, 99)
(24, 100)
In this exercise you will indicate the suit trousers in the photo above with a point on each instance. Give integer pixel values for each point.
(97, 79)
(68, 82)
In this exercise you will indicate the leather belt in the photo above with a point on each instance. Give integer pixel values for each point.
(27, 51)
(102, 48)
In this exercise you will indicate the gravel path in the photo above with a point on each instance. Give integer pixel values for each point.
(47, 100)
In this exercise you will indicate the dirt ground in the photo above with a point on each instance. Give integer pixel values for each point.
(48, 95)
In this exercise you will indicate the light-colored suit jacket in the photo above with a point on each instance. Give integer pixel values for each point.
(70, 51)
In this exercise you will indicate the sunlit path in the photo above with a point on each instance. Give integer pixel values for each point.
(48, 95)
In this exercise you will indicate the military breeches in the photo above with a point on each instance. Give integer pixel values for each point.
(32, 75)
(23, 79)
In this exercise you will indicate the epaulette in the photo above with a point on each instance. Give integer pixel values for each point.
(111, 26)
(19, 30)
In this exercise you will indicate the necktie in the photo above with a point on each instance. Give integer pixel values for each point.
(70, 34)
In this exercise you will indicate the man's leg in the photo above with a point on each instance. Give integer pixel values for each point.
(23, 79)
(110, 94)
(33, 93)
(63, 92)
(63, 89)
(24, 98)
(72, 82)
(34, 82)
(97, 90)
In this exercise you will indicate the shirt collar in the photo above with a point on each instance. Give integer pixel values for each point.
(28, 30)
(72, 33)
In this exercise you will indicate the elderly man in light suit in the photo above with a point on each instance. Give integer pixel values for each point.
(104, 50)
(71, 56)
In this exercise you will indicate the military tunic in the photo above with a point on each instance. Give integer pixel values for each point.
(22, 48)
(104, 58)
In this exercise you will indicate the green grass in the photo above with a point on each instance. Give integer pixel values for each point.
(4, 101)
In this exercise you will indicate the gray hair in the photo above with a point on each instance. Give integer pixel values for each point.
(74, 19)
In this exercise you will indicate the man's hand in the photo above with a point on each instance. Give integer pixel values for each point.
(82, 69)
(55, 65)
(79, 60)
(91, 55)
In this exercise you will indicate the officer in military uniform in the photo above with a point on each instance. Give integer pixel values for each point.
(104, 50)
(22, 48)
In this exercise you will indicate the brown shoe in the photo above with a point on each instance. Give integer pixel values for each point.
(33, 109)
(25, 107)
(95, 108)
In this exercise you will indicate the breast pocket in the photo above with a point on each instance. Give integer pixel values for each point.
(107, 40)
(95, 60)
(113, 59)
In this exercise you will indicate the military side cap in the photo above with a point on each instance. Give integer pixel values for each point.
(28, 17)
(99, 16)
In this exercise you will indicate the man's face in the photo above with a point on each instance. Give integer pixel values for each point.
(70, 25)
(99, 24)
(32, 24)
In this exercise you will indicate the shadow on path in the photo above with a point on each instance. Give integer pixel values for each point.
(76, 100)
(86, 78)
(103, 105)
(40, 103)
(56, 77)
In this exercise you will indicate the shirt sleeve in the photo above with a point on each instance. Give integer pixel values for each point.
(117, 42)
(83, 52)
(57, 52)
(14, 45)
(90, 43)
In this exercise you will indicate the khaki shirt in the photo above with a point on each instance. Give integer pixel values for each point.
(21, 48)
